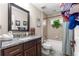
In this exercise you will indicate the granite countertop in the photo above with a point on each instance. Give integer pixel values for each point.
(17, 41)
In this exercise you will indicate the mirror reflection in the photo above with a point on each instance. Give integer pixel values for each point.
(19, 18)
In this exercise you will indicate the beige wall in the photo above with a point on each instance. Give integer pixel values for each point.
(45, 28)
(34, 15)
(3, 18)
(53, 33)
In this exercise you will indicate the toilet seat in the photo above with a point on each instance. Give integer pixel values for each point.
(47, 49)
(47, 46)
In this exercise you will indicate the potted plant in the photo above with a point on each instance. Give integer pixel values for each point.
(56, 24)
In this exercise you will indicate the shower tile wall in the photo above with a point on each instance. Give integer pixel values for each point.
(53, 33)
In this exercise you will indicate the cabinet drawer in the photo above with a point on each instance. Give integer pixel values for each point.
(29, 44)
(12, 51)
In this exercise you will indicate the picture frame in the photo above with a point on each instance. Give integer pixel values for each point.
(17, 22)
(24, 23)
(38, 22)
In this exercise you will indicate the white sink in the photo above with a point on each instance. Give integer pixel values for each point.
(4, 40)
(25, 38)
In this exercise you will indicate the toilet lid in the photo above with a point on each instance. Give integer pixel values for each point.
(47, 45)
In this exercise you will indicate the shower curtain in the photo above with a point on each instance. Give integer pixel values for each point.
(68, 37)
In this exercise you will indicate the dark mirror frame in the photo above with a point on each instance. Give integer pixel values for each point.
(10, 18)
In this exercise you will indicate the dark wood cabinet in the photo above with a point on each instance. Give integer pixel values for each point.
(20, 54)
(30, 52)
(29, 44)
(12, 51)
(38, 47)
(31, 48)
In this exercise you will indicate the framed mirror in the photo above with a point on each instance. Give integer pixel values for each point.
(18, 18)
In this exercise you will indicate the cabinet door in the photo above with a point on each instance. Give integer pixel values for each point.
(38, 47)
(38, 51)
(29, 44)
(30, 52)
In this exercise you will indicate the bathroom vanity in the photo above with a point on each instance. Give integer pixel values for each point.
(18, 21)
(30, 46)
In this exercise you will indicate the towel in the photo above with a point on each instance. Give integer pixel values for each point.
(65, 15)
(69, 8)
(72, 21)
(5, 37)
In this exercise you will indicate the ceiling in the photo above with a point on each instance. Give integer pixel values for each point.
(50, 9)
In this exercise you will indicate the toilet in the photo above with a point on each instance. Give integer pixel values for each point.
(47, 48)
